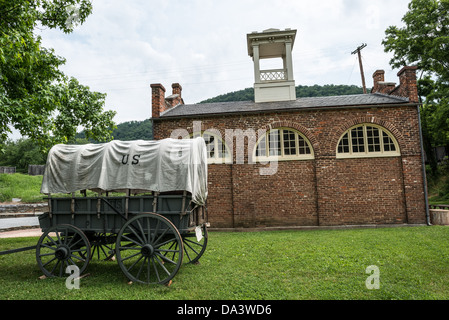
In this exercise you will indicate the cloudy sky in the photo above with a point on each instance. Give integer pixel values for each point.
(124, 46)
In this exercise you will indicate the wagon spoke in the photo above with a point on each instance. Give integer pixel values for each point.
(187, 254)
(46, 254)
(136, 234)
(175, 244)
(192, 242)
(141, 267)
(77, 257)
(158, 224)
(72, 263)
(133, 241)
(51, 239)
(144, 240)
(62, 236)
(59, 238)
(50, 261)
(98, 252)
(162, 265)
(149, 271)
(161, 236)
(123, 248)
(52, 270)
(132, 266)
(167, 250)
(74, 245)
(102, 248)
(132, 256)
(61, 269)
(155, 270)
(165, 242)
(49, 247)
(165, 258)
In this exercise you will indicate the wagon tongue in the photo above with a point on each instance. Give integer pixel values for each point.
(17, 250)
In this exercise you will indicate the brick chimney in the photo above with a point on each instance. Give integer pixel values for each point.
(407, 83)
(378, 76)
(175, 98)
(407, 87)
(158, 104)
(379, 84)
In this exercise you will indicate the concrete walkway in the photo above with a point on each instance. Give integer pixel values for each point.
(21, 233)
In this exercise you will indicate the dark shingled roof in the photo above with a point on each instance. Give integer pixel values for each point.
(205, 109)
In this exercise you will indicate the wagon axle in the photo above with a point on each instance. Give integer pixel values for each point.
(62, 253)
(147, 250)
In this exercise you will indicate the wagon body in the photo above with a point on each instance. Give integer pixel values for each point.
(108, 214)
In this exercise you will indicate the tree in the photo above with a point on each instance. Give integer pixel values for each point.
(22, 153)
(36, 98)
(424, 42)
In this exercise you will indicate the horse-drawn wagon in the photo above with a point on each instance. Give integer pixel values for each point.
(148, 209)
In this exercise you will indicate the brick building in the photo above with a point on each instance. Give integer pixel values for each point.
(321, 161)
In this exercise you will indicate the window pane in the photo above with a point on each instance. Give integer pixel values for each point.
(289, 142)
(357, 140)
(221, 149)
(343, 147)
(210, 145)
(274, 143)
(388, 143)
(303, 146)
(261, 150)
(373, 139)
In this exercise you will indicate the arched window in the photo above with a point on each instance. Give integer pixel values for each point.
(217, 151)
(283, 144)
(367, 140)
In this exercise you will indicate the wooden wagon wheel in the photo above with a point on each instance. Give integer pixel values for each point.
(149, 249)
(193, 246)
(62, 246)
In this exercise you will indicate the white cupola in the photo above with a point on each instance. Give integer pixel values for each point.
(274, 84)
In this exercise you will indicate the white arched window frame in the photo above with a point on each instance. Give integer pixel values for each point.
(283, 144)
(217, 150)
(367, 140)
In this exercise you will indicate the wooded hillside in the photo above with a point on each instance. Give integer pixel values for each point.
(301, 91)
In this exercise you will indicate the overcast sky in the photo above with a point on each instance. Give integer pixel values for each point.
(124, 46)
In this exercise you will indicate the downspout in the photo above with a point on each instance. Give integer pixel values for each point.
(423, 165)
(232, 194)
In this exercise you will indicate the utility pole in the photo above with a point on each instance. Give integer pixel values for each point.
(360, 64)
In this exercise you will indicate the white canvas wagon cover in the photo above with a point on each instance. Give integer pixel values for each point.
(160, 166)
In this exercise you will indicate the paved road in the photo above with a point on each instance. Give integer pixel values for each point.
(8, 223)
(21, 227)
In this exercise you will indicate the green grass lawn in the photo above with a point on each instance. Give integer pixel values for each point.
(22, 186)
(281, 265)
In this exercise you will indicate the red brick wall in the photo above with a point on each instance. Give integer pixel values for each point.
(324, 191)
(361, 191)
